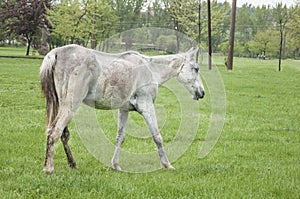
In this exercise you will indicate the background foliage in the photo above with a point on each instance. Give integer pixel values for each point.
(74, 21)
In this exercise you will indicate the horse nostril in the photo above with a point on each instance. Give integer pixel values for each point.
(199, 94)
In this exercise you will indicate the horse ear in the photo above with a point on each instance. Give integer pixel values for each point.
(197, 54)
(191, 50)
(194, 52)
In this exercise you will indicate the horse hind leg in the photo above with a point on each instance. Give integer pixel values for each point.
(64, 139)
(77, 89)
(55, 132)
(58, 129)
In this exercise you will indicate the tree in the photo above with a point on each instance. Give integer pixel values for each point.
(2, 34)
(76, 21)
(185, 16)
(294, 29)
(281, 17)
(155, 14)
(24, 18)
(128, 13)
(68, 21)
(261, 18)
(245, 23)
(249, 21)
(264, 42)
(219, 24)
(105, 19)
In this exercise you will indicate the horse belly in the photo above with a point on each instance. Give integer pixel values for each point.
(115, 86)
(110, 97)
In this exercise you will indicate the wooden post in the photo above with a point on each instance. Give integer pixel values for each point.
(94, 40)
(209, 34)
(199, 23)
(231, 38)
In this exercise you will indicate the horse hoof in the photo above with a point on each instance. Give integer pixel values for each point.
(170, 167)
(116, 167)
(72, 165)
(48, 171)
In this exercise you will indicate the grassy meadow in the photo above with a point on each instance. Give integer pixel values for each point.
(257, 155)
(19, 51)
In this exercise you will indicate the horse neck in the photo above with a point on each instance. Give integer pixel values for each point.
(161, 70)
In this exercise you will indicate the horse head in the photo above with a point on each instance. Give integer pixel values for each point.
(189, 74)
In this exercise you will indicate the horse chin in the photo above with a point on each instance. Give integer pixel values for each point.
(195, 97)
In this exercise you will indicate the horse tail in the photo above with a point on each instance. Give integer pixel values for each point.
(48, 86)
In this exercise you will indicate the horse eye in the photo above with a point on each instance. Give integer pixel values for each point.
(196, 70)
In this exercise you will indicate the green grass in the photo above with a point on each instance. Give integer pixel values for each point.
(257, 155)
(19, 51)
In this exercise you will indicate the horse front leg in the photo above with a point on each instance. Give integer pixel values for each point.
(147, 110)
(122, 119)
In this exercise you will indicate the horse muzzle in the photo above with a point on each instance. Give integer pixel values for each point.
(199, 94)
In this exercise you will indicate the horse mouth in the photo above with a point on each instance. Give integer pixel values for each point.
(198, 95)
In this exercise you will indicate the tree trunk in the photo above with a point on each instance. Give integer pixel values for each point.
(28, 46)
(280, 50)
(199, 23)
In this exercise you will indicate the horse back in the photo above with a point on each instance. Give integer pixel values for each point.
(111, 79)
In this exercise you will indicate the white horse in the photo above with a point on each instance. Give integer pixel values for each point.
(127, 81)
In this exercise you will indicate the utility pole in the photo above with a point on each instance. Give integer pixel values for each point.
(209, 34)
(176, 27)
(199, 22)
(94, 40)
(231, 38)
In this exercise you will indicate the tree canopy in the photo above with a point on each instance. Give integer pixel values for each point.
(258, 29)
(75, 21)
(24, 17)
